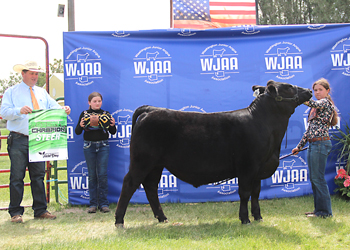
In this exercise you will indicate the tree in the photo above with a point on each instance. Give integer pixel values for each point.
(56, 67)
(13, 80)
(303, 11)
(332, 11)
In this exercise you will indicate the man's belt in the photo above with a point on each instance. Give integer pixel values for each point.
(19, 133)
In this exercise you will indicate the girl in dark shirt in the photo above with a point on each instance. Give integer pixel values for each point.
(96, 124)
(322, 116)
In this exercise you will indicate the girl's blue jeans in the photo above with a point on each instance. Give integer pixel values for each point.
(317, 159)
(96, 155)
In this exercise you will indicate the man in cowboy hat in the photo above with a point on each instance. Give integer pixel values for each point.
(17, 102)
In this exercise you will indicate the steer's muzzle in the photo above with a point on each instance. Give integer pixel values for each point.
(304, 95)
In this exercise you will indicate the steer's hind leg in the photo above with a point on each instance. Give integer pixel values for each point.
(151, 188)
(255, 200)
(244, 195)
(130, 185)
(244, 191)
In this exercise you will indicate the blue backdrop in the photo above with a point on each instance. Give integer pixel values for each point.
(204, 71)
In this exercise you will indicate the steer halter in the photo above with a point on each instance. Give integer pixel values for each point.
(279, 98)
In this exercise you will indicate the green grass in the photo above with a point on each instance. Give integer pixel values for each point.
(191, 226)
(207, 225)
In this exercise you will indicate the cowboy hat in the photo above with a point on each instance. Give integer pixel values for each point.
(28, 65)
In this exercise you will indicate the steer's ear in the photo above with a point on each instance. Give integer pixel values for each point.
(270, 82)
(272, 90)
(258, 90)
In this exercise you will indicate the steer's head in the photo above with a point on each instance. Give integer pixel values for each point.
(284, 92)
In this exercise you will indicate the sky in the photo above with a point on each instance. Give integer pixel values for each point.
(39, 18)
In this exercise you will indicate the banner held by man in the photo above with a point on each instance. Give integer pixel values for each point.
(48, 135)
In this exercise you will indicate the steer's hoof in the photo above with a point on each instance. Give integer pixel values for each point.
(119, 225)
(258, 218)
(162, 220)
(245, 222)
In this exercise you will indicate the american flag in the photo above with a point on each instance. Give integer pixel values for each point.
(207, 14)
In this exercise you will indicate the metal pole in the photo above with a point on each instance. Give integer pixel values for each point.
(71, 16)
(46, 54)
(171, 14)
(256, 12)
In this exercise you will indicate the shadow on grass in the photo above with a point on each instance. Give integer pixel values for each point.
(207, 231)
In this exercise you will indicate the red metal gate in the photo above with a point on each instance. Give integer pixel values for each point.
(48, 164)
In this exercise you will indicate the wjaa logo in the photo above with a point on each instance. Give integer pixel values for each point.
(219, 61)
(291, 175)
(247, 29)
(79, 180)
(152, 64)
(168, 184)
(316, 26)
(186, 32)
(340, 56)
(123, 122)
(250, 30)
(120, 33)
(227, 187)
(83, 66)
(284, 60)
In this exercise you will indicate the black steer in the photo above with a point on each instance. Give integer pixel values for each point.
(202, 148)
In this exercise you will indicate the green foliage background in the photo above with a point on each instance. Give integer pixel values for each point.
(303, 11)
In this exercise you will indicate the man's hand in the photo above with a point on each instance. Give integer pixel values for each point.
(67, 109)
(26, 110)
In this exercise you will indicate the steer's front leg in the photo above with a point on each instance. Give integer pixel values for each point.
(255, 200)
(243, 208)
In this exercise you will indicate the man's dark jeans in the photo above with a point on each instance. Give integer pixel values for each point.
(18, 152)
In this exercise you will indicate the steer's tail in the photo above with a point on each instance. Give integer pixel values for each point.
(141, 110)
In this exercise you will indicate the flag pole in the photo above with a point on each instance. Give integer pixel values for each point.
(171, 14)
(256, 13)
(71, 16)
